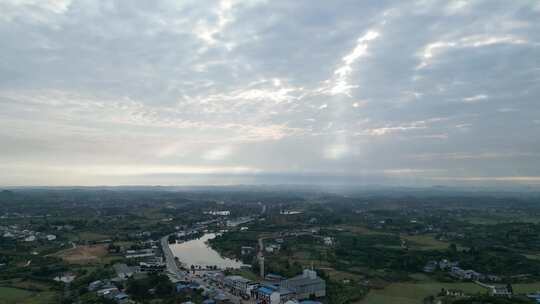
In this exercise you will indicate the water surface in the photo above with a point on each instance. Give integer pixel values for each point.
(197, 252)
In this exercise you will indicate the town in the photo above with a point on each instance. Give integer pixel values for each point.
(269, 247)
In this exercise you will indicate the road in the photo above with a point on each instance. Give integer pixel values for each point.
(172, 267)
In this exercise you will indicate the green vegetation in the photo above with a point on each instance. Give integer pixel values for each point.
(425, 242)
(10, 295)
(412, 293)
(370, 247)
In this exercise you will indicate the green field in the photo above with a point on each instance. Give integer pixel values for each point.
(410, 293)
(425, 242)
(92, 236)
(526, 287)
(492, 220)
(10, 295)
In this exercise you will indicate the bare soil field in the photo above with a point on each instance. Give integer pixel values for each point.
(83, 254)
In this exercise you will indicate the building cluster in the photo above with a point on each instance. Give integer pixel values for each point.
(459, 273)
(15, 232)
(139, 234)
(150, 259)
(239, 221)
(109, 291)
(218, 212)
(274, 289)
(535, 297)
(187, 233)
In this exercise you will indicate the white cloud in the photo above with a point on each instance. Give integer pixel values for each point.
(389, 129)
(513, 179)
(218, 153)
(359, 104)
(472, 156)
(434, 49)
(200, 84)
(507, 110)
(340, 83)
(206, 31)
(336, 151)
(475, 98)
(457, 6)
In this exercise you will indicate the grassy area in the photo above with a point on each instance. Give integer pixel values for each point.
(26, 292)
(533, 256)
(337, 275)
(526, 287)
(410, 293)
(42, 298)
(92, 236)
(359, 230)
(492, 220)
(425, 242)
(9, 295)
(28, 285)
(248, 274)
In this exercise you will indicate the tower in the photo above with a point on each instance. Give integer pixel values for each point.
(261, 266)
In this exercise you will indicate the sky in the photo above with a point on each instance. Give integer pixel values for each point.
(253, 92)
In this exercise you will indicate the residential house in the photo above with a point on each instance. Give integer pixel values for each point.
(501, 291)
(454, 293)
(143, 253)
(431, 266)
(462, 274)
(328, 241)
(123, 271)
(246, 250)
(95, 285)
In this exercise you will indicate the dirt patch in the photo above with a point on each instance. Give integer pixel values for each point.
(83, 254)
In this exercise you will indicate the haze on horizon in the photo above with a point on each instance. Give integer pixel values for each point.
(226, 92)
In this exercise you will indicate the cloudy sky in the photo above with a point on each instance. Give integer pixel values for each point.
(223, 92)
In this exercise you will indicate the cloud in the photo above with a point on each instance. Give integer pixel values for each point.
(272, 87)
(336, 151)
(507, 110)
(219, 153)
(507, 179)
(340, 83)
(475, 98)
(434, 49)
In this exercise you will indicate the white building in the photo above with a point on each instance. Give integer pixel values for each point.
(306, 285)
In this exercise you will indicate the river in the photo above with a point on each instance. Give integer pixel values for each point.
(197, 252)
